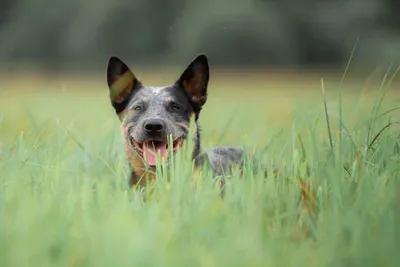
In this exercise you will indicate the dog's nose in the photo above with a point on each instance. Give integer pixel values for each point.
(154, 126)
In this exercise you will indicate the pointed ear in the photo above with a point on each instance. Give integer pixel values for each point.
(194, 80)
(121, 83)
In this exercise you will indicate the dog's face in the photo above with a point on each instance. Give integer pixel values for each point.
(150, 116)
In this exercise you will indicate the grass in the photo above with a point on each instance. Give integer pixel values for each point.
(335, 201)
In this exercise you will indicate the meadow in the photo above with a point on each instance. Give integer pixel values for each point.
(335, 200)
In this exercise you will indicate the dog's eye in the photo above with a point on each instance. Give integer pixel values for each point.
(175, 107)
(137, 108)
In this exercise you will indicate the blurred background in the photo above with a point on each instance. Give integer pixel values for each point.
(78, 35)
(269, 55)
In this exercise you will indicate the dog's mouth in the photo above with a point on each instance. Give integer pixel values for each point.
(150, 150)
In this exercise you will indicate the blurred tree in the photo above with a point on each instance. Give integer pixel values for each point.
(33, 31)
(5, 7)
(233, 32)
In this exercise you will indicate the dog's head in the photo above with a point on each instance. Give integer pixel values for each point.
(150, 116)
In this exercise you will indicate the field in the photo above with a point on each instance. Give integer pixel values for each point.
(335, 200)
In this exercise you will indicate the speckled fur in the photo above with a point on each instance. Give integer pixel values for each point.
(174, 106)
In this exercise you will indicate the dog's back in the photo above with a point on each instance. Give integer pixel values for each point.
(220, 159)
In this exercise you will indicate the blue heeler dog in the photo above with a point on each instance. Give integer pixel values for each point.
(151, 115)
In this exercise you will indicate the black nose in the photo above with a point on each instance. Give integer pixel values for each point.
(154, 126)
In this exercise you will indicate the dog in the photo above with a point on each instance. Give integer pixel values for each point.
(150, 116)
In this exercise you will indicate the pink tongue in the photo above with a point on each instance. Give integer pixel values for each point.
(151, 151)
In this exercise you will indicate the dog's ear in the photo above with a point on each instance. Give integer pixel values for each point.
(121, 83)
(194, 80)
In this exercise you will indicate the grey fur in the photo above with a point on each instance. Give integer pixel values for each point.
(220, 159)
(172, 107)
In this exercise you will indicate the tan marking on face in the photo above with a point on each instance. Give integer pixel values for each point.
(139, 169)
(168, 100)
(135, 161)
(184, 126)
(122, 115)
(145, 100)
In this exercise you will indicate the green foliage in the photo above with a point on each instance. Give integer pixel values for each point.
(226, 34)
(234, 33)
(64, 200)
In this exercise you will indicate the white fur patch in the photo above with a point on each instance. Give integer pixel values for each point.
(156, 90)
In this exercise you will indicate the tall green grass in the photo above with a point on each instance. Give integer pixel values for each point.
(335, 200)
